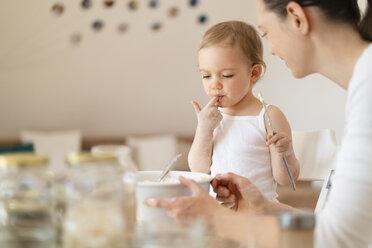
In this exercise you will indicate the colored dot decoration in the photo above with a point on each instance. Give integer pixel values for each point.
(132, 5)
(173, 12)
(202, 19)
(193, 3)
(86, 4)
(76, 38)
(153, 3)
(156, 26)
(109, 3)
(58, 9)
(123, 27)
(97, 25)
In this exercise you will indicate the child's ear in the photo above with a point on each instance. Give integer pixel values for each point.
(256, 72)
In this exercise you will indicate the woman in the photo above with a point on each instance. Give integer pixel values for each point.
(326, 37)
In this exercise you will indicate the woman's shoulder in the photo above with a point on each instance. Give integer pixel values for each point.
(360, 86)
(362, 69)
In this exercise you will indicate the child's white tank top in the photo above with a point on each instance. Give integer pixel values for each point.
(239, 146)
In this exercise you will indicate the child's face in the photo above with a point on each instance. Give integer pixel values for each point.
(225, 73)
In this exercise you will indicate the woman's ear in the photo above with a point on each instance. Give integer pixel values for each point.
(298, 16)
(256, 72)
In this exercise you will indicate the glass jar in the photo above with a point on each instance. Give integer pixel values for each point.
(128, 173)
(26, 203)
(94, 202)
(170, 233)
(297, 229)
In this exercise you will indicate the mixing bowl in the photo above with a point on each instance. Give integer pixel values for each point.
(148, 187)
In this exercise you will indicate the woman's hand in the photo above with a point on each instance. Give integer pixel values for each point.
(282, 143)
(238, 193)
(197, 205)
(209, 116)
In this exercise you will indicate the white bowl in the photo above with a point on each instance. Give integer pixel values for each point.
(148, 187)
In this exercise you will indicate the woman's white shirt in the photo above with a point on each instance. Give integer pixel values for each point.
(346, 219)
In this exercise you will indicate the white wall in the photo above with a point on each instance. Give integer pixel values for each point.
(139, 82)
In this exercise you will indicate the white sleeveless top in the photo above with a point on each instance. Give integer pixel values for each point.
(239, 146)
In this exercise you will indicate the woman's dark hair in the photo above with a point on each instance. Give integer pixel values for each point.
(346, 11)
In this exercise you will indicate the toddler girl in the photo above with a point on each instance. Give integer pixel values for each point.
(232, 128)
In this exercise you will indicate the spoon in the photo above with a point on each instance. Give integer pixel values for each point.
(275, 132)
(169, 166)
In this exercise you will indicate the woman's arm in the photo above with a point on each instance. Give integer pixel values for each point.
(241, 226)
(200, 155)
(280, 145)
(346, 219)
(261, 230)
(244, 196)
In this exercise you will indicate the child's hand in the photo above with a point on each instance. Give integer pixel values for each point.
(282, 143)
(209, 116)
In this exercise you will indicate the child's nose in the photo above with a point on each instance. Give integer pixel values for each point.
(216, 85)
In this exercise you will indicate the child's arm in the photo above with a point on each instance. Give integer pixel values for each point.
(281, 145)
(200, 155)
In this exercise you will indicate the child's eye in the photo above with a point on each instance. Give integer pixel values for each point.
(228, 76)
(205, 76)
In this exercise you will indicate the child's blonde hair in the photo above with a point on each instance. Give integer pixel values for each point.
(236, 32)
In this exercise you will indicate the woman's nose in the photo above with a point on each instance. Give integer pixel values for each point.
(271, 50)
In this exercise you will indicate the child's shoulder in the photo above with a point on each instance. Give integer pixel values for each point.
(276, 113)
(274, 110)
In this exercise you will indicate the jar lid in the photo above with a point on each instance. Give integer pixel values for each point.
(87, 157)
(297, 220)
(22, 159)
(20, 206)
(117, 150)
